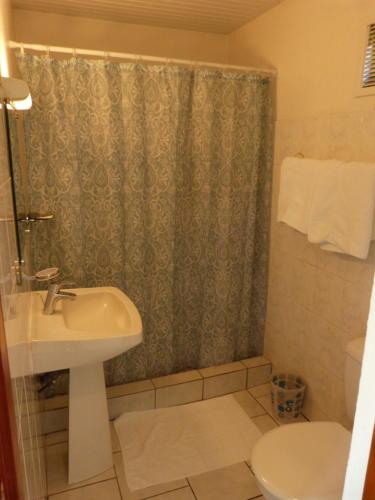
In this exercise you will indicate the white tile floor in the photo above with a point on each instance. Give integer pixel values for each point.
(235, 482)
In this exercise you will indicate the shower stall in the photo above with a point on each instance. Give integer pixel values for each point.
(158, 177)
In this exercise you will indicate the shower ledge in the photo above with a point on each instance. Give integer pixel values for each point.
(100, 324)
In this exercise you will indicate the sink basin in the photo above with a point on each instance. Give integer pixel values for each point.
(98, 325)
(98, 312)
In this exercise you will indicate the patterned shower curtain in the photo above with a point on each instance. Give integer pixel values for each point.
(159, 180)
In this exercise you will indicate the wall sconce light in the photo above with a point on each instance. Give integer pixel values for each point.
(15, 93)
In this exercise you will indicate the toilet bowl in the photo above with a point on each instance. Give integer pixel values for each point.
(307, 461)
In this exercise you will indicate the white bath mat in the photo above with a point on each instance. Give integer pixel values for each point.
(164, 445)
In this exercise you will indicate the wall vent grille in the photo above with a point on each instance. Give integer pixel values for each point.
(368, 76)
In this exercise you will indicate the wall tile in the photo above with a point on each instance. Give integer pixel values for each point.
(211, 371)
(55, 420)
(132, 402)
(179, 394)
(224, 384)
(116, 391)
(354, 309)
(56, 438)
(177, 378)
(317, 300)
(258, 375)
(255, 361)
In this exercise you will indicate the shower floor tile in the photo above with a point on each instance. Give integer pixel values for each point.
(235, 482)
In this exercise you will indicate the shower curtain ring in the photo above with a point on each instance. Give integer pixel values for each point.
(74, 53)
(22, 49)
(48, 48)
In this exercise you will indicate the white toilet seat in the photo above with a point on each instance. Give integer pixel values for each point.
(302, 461)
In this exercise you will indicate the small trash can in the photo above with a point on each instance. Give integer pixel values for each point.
(287, 392)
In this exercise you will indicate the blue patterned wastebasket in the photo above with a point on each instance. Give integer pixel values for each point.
(287, 392)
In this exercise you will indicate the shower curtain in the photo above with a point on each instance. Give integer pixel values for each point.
(159, 180)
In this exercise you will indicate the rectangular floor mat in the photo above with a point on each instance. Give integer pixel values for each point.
(167, 444)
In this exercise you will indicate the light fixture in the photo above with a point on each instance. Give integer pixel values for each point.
(15, 93)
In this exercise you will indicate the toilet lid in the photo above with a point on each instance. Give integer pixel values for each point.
(303, 460)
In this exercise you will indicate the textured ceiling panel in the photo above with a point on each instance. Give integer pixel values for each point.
(212, 16)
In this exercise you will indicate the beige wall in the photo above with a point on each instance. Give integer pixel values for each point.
(317, 47)
(317, 300)
(5, 32)
(69, 31)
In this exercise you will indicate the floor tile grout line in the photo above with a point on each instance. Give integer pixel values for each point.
(118, 485)
(191, 488)
(267, 412)
(225, 373)
(130, 393)
(249, 467)
(79, 487)
(177, 383)
(166, 492)
(272, 415)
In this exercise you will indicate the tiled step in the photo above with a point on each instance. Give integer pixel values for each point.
(171, 390)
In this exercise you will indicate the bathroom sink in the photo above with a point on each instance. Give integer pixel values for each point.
(98, 325)
(97, 312)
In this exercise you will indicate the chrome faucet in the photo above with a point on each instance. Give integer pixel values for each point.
(54, 294)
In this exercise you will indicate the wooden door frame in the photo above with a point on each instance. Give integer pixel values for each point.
(9, 452)
(369, 491)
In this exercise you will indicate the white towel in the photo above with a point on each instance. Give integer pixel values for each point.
(299, 180)
(324, 201)
(332, 202)
(342, 214)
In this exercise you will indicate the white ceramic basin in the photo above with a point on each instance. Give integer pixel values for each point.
(98, 325)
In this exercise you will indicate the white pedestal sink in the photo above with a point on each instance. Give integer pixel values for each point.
(100, 324)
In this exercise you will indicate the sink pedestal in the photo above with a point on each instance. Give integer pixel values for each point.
(90, 450)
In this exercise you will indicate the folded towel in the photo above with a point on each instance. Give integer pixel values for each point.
(324, 200)
(300, 178)
(343, 207)
(297, 180)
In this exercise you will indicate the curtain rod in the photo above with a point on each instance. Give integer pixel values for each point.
(134, 57)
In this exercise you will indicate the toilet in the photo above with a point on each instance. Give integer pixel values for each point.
(307, 461)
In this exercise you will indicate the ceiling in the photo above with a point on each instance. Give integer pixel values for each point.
(211, 16)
